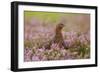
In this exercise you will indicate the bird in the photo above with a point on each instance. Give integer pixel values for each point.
(58, 38)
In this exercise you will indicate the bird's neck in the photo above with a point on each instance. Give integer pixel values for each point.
(58, 32)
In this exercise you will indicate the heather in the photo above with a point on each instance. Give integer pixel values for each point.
(39, 30)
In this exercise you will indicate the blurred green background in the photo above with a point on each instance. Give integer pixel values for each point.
(78, 22)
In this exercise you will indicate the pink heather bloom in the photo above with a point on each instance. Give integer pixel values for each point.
(27, 54)
(84, 39)
(35, 22)
(44, 58)
(70, 38)
(35, 58)
(41, 49)
(55, 46)
(38, 34)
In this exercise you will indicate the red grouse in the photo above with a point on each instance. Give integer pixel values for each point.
(58, 38)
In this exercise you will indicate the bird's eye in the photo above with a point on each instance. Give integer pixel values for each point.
(62, 24)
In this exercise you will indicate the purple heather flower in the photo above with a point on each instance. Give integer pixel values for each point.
(27, 54)
(35, 58)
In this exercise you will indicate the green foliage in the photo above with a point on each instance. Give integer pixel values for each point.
(49, 16)
(28, 44)
(84, 51)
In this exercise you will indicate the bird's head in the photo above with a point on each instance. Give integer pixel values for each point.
(60, 26)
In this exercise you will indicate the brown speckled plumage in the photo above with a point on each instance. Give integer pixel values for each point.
(58, 38)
